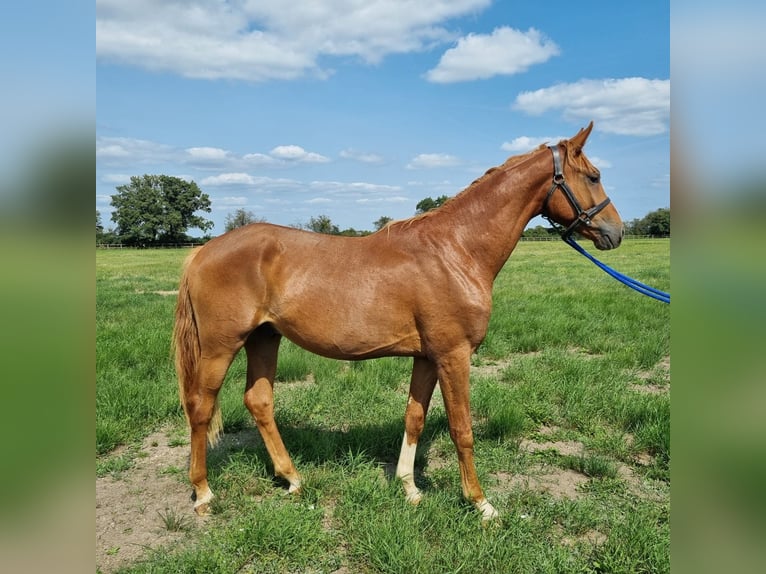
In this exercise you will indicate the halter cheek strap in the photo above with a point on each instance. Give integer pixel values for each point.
(583, 216)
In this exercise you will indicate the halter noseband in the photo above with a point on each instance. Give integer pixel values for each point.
(583, 216)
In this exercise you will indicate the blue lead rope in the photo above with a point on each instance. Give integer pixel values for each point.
(632, 283)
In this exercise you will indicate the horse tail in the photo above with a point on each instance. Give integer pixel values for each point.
(186, 346)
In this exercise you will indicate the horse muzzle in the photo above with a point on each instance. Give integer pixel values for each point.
(606, 236)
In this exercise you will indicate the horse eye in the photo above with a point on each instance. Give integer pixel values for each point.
(594, 178)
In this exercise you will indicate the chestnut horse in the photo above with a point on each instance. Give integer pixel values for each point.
(420, 287)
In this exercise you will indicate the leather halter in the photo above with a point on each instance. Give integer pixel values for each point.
(583, 216)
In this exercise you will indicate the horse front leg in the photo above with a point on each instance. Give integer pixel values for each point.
(422, 386)
(453, 372)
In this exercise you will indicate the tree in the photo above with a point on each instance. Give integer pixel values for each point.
(157, 209)
(322, 224)
(382, 222)
(657, 223)
(631, 227)
(351, 232)
(99, 225)
(654, 224)
(428, 204)
(240, 218)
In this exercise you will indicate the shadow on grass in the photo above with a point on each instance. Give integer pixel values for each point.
(316, 446)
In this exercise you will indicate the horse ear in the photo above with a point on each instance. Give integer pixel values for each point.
(578, 142)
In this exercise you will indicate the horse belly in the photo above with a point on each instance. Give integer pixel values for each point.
(344, 329)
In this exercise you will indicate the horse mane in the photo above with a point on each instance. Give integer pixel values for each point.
(509, 163)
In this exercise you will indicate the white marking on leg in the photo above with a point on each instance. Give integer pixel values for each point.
(295, 486)
(488, 511)
(202, 503)
(405, 471)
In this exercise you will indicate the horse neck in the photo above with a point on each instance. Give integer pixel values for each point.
(487, 219)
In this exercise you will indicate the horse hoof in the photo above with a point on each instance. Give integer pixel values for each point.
(295, 489)
(490, 520)
(488, 512)
(203, 509)
(414, 498)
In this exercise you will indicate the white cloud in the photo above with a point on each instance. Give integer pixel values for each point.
(433, 160)
(107, 150)
(207, 153)
(504, 52)
(358, 192)
(229, 179)
(384, 199)
(362, 157)
(357, 186)
(258, 159)
(267, 40)
(230, 201)
(116, 178)
(298, 154)
(661, 181)
(208, 158)
(241, 178)
(627, 106)
(600, 163)
(130, 150)
(523, 144)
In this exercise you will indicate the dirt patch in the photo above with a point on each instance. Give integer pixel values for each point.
(130, 510)
(548, 430)
(583, 353)
(563, 483)
(558, 482)
(590, 537)
(662, 371)
(493, 368)
(651, 490)
(565, 448)
(650, 389)
(302, 384)
(644, 459)
(489, 370)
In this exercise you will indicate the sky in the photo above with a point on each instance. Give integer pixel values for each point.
(358, 109)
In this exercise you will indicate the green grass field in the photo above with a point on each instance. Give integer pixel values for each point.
(571, 405)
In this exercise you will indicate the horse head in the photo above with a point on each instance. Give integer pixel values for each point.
(577, 200)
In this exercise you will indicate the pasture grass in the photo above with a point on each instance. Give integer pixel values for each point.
(569, 356)
(174, 522)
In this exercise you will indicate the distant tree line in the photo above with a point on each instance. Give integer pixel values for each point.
(318, 224)
(239, 218)
(159, 209)
(653, 224)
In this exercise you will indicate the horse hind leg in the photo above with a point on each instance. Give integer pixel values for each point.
(202, 409)
(262, 348)
(421, 389)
